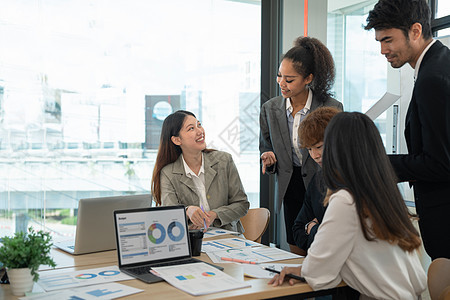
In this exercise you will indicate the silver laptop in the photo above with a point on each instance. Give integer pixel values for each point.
(95, 224)
(151, 237)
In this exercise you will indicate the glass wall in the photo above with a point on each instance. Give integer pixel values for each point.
(361, 70)
(442, 8)
(442, 12)
(85, 86)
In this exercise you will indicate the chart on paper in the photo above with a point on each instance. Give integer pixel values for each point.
(225, 244)
(81, 278)
(257, 255)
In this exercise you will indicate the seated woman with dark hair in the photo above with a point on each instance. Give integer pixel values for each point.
(204, 180)
(366, 237)
(311, 133)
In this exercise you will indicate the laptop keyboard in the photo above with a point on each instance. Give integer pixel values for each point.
(146, 269)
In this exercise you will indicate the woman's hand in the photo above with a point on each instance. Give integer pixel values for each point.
(268, 159)
(198, 217)
(279, 278)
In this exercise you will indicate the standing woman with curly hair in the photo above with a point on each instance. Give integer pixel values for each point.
(305, 76)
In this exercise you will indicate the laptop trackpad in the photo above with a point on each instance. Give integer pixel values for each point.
(149, 278)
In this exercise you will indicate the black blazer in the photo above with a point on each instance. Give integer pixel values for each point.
(427, 131)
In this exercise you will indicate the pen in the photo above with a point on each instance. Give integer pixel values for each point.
(238, 260)
(204, 221)
(302, 279)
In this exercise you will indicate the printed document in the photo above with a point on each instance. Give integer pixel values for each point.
(225, 244)
(199, 279)
(252, 254)
(59, 281)
(92, 292)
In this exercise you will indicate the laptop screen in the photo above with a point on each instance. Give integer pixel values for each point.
(151, 234)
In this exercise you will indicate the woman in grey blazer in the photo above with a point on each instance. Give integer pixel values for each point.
(305, 76)
(204, 180)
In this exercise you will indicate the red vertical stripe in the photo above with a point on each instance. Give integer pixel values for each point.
(305, 19)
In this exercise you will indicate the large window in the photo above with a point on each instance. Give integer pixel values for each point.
(442, 15)
(360, 68)
(442, 8)
(85, 85)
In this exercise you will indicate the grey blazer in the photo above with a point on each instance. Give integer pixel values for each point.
(274, 136)
(224, 190)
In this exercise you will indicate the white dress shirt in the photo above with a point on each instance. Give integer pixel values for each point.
(419, 61)
(294, 123)
(376, 269)
(199, 181)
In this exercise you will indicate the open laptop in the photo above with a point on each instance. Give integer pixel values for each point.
(95, 222)
(152, 237)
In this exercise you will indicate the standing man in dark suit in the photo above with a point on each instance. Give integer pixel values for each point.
(403, 29)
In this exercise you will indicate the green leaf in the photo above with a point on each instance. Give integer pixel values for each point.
(27, 250)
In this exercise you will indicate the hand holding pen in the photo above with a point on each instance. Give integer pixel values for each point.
(292, 273)
(198, 217)
(205, 227)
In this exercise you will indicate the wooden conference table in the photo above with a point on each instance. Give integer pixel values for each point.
(259, 288)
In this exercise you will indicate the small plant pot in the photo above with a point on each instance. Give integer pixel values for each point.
(20, 281)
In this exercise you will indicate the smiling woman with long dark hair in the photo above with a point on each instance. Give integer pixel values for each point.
(204, 180)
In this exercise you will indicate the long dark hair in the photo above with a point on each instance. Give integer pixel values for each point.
(311, 56)
(354, 159)
(168, 152)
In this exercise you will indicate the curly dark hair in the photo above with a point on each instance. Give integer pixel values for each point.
(400, 14)
(311, 56)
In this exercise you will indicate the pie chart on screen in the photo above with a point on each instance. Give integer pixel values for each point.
(156, 233)
(208, 274)
(175, 231)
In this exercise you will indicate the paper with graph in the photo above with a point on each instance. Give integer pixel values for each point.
(99, 291)
(213, 231)
(57, 281)
(224, 244)
(198, 278)
(252, 254)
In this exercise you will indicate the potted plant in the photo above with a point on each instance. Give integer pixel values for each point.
(22, 255)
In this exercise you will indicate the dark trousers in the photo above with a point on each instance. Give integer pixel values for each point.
(293, 202)
(434, 224)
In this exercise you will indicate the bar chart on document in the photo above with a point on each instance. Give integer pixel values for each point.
(252, 254)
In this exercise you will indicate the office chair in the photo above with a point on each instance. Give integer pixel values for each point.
(439, 279)
(255, 223)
